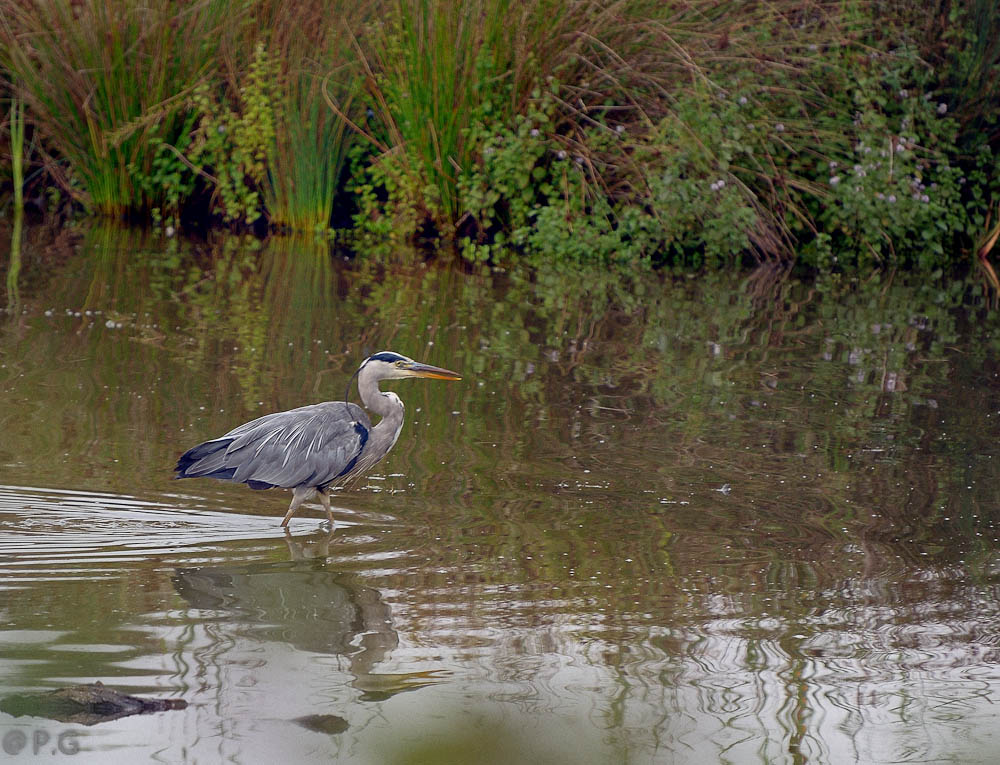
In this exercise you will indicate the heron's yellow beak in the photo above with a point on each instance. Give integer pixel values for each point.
(437, 373)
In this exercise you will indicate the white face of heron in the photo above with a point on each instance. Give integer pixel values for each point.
(387, 365)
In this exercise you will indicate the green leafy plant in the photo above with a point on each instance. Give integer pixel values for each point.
(231, 146)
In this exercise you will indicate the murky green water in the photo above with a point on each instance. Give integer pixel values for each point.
(696, 521)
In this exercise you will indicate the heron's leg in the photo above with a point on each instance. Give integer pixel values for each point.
(324, 498)
(298, 497)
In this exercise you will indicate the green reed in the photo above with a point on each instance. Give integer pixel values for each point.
(16, 126)
(309, 153)
(438, 73)
(316, 101)
(103, 81)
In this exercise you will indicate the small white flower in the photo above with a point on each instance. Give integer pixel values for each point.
(832, 165)
(904, 93)
(535, 132)
(780, 127)
(561, 154)
(744, 100)
(924, 198)
(942, 108)
(620, 129)
(834, 180)
(892, 197)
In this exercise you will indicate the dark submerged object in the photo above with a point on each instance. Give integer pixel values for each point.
(329, 724)
(85, 704)
(311, 448)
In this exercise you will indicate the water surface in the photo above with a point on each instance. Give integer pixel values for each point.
(729, 519)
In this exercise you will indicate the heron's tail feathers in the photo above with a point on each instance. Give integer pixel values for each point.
(206, 460)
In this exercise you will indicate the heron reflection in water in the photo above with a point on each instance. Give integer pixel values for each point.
(313, 447)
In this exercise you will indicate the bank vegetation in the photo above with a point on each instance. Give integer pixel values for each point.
(838, 135)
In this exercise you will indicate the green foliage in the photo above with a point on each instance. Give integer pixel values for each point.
(440, 74)
(271, 138)
(686, 198)
(170, 179)
(392, 202)
(846, 159)
(233, 145)
(701, 167)
(529, 192)
(316, 102)
(893, 190)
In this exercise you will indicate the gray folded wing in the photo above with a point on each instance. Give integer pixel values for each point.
(308, 446)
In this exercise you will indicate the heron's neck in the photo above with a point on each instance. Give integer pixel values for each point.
(375, 400)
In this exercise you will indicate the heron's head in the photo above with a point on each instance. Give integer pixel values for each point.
(386, 365)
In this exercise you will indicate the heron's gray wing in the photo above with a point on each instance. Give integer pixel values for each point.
(308, 446)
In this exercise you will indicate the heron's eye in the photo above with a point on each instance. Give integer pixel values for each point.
(400, 363)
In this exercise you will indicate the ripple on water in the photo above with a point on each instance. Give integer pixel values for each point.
(75, 534)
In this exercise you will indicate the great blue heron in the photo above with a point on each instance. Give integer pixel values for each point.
(313, 447)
